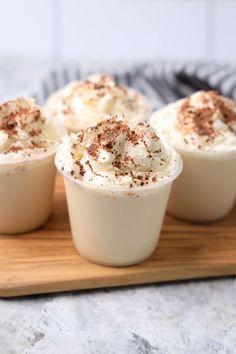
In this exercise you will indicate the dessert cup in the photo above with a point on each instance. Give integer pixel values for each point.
(202, 128)
(206, 189)
(117, 226)
(26, 191)
(81, 104)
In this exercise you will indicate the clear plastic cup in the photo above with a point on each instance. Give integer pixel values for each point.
(26, 192)
(117, 226)
(206, 189)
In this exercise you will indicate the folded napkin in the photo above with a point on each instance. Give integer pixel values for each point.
(161, 81)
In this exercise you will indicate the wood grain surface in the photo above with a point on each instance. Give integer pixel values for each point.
(46, 261)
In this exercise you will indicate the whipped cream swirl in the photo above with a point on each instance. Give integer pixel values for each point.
(24, 130)
(203, 121)
(114, 153)
(80, 104)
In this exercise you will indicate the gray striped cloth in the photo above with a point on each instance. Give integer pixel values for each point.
(161, 81)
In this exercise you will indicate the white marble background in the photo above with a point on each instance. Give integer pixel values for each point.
(182, 318)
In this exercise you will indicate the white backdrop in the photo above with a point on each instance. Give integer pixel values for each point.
(118, 29)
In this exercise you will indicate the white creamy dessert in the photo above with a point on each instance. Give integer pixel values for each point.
(204, 121)
(202, 128)
(117, 179)
(114, 154)
(80, 104)
(27, 173)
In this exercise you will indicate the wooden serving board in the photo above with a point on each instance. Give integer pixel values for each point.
(46, 261)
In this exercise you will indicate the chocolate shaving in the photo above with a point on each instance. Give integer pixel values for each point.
(81, 167)
(201, 120)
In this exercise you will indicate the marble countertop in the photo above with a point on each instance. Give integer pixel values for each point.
(183, 317)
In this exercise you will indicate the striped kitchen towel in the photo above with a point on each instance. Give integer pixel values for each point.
(161, 81)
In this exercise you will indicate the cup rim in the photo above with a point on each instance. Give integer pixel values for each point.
(40, 156)
(136, 190)
(206, 153)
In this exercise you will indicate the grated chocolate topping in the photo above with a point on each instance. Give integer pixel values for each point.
(200, 118)
(80, 103)
(21, 126)
(115, 153)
